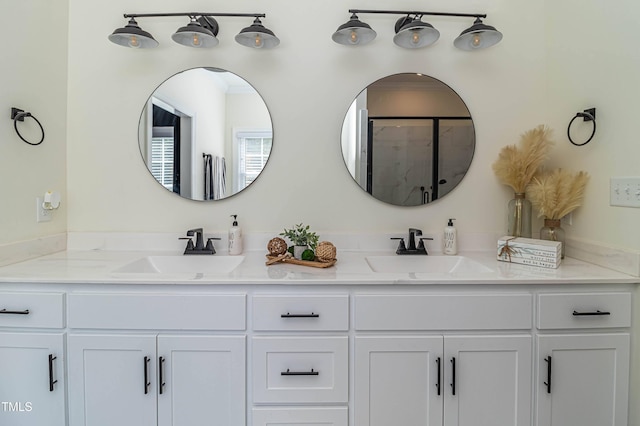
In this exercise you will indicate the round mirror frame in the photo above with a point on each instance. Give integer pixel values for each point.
(404, 132)
(206, 170)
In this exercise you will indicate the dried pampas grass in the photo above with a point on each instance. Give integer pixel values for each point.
(558, 193)
(516, 166)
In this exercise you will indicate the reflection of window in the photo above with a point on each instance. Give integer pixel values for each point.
(253, 149)
(162, 157)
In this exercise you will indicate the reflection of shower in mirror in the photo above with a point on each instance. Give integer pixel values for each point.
(408, 139)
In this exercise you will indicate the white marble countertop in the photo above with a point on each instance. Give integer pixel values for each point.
(101, 267)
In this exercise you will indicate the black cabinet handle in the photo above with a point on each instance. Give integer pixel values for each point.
(590, 314)
(299, 373)
(548, 382)
(161, 374)
(453, 376)
(4, 311)
(439, 375)
(146, 375)
(51, 381)
(311, 315)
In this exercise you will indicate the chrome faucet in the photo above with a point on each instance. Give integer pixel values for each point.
(413, 233)
(199, 247)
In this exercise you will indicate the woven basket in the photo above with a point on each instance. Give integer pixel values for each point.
(325, 252)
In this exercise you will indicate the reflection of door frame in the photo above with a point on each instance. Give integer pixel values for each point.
(435, 153)
(187, 136)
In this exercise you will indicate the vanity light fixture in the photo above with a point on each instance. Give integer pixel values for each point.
(413, 33)
(201, 31)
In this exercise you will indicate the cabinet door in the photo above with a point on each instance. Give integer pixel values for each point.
(112, 380)
(397, 381)
(203, 380)
(587, 383)
(32, 387)
(488, 380)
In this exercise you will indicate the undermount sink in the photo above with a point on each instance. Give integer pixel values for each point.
(425, 264)
(202, 264)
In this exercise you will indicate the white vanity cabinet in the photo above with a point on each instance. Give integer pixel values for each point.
(32, 373)
(157, 377)
(300, 359)
(583, 359)
(440, 377)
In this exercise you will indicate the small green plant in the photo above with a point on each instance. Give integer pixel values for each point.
(299, 235)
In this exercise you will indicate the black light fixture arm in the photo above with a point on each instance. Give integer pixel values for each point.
(163, 15)
(419, 13)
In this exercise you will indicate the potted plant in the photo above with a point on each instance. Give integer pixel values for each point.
(301, 238)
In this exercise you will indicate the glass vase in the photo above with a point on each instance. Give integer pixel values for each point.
(552, 231)
(519, 219)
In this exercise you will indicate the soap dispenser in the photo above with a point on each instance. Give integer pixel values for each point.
(235, 237)
(450, 239)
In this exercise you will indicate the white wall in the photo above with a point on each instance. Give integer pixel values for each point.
(33, 77)
(308, 83)
(593, 61)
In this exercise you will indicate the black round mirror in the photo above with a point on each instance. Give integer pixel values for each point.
(408, 139)
(205, 134)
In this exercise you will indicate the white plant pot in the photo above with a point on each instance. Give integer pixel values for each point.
(298, 250)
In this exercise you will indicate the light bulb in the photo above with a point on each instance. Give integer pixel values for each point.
(133, 41)
(415, 37)
(258, 42)
(353, 37)
(476, 41)
(196, 42)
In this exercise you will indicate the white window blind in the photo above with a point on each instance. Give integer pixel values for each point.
(162, 160)
(253, 152)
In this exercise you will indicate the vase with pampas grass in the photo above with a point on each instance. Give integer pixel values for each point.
(516, 166)
(555, 195)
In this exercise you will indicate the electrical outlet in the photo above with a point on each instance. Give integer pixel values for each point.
(567, 220)
(625, 192)
(42, 214)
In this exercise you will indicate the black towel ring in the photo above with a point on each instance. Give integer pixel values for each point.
(587, 115)
(19, 115)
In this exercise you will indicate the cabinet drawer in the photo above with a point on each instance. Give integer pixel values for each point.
(296, 313)
(325, 416)
(584, 310)
(38, 310)
(300, 369)
(157, 311)
(443, 312)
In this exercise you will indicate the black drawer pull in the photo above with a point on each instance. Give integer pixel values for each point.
(439, 375)
(548, 382)
(299, 373)
(311, 315)
(453, 376)
(51, 381)
(146, 375)
(590, 314)
(4, 311)
(161, 382)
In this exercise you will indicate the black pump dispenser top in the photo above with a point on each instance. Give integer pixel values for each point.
(450, 222)
(235, 222)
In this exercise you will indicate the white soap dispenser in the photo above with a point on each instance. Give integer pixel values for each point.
(235, 237)
(450, 238)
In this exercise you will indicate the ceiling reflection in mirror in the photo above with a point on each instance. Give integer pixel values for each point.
(408, 139)
(205, 134)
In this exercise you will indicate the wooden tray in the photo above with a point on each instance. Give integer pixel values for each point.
(312, 263)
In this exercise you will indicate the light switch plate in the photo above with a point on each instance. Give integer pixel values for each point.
(625, 191)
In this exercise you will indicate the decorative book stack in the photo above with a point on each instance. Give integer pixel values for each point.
(529, 251)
